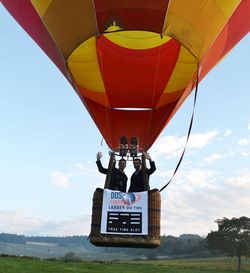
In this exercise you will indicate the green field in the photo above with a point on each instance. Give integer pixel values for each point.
(22, 265)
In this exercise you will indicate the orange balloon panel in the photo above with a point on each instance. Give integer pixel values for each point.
(136, 78)
(133, 62)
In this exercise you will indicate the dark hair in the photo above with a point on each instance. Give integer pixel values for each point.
(122, 159)
(137, 159)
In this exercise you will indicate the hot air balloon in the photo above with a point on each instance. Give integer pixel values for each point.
(133, 62)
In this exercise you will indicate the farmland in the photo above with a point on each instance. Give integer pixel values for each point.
(211, 265)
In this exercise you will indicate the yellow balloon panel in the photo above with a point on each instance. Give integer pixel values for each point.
(41, 6)
(84, 66)
(185, 67)
(226, 6)
(196, 24)
(137, 39)
(69, 23)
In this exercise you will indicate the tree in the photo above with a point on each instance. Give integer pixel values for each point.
(71, 257)
(232, 238)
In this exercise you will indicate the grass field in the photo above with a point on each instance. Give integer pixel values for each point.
(222, 265)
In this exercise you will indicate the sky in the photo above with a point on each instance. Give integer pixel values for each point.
(48, 146)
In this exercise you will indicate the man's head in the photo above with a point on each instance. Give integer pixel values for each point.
(137, 164)
(122, 164)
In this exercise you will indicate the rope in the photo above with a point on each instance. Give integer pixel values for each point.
(188, 135)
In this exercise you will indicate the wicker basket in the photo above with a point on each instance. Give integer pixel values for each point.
(152, 240)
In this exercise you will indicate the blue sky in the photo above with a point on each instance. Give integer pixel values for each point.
(48, 144)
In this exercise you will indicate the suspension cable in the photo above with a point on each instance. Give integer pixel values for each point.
(189, 132)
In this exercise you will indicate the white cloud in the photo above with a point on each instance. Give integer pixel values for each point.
(244, 141)
(61, 179)
(213, 157)
(228, 133)
(194, 209)
(171, 146)
(245, 154)
(79, 171)
(77, 225)
(17, 222)
(198, 141)
(248, 127)
(86, 169)
(195, 178)
(20, 222)
(89, 171)
(241, 180)
(199, 177)
(168, 145)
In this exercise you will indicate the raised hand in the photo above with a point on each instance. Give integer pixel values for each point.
(98, 156)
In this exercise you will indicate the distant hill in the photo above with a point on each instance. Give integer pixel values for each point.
(187, 245)
(61, 241)
(190, 237)
(45, 247)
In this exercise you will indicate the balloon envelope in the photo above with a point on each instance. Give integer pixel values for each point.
(133, 62)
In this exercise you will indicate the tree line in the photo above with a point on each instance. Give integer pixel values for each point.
(186, 244)
(60, 241)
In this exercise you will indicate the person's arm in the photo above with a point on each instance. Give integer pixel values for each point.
(99, 164)
(151, 162)
(100, 167)
(152, 167)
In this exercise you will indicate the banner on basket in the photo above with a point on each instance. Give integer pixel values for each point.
(124, 213)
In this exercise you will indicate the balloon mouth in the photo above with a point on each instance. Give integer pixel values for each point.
(133, 109)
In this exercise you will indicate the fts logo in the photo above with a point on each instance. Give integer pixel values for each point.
(125, 198)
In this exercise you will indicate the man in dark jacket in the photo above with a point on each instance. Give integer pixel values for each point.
(136, 181)
(118, 181)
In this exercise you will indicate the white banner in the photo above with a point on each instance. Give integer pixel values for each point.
(124, 213)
